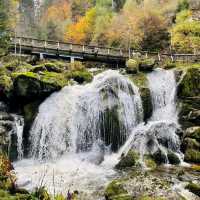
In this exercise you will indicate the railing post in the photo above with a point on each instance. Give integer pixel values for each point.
(108, 51)
(15, 47)
(121, 53)
(32, 43)
(20, 47)
(159, 58)
(83, 48)
(45, 44)
(146, 54)
(58, 45)
(71, 47)
(129, 53)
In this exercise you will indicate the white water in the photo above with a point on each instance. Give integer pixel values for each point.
(68, 139)
(19, 127)
(160, 131)
(70, 134)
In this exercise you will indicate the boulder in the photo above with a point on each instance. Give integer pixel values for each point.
(173, 158)
(146, 102)
(30, 86)
(128, 160)
(190, 84)
(115, 191)
(194, 188)
(132, 66)
(147, 65)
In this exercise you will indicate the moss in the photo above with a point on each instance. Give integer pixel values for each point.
(54, 78)
(25, 74)
(80, 76)
(116, 191)
(169, 65)
(149, 162)
(139, 79)
(6, 83)
(190, 85)
(76, 66)
(196, 168)
(128, 161)
(194, 188)
(146, 197)
(194, 133)
(132, 66)
(147, 64)
(192, 156)
(50, 67)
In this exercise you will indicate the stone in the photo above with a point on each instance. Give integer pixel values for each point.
(194, 188)
(193, 132)
(173, 158)
(190, 84)
(147, 65)
(128, 160)
(132, 66)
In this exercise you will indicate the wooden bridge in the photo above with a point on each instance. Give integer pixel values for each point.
(52, 49)
(69, 51)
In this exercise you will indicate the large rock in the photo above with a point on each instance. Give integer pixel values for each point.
(30, 86)
(191, 144)
(146, 102)
(147, 64)
(190, 84)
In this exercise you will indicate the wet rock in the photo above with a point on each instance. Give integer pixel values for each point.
(194, 188)
(147, 65)
(173, 158)
(192, 156)
(128, 160)
(132, 66)
(190, 84)
(193, 132)
(116, 191)
(146, 102)
(159, 157)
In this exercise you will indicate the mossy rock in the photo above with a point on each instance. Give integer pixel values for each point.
(173, 158)
(189, 143)
(147, 65)
(169, 65)
(80, 76)
(128, 160)
(194, 188)
(132, 66)
(149, 162)
(31, 86)
(50, 67)
(115, 191)
(193, 132)
(192, 156)
(146, 103)
(159, 157)
(6, 84)
(190, 84)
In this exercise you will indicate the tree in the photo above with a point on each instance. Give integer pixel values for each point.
(186, 33)
(82, 31)
(4, 24)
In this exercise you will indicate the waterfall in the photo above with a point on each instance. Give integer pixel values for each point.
(79, 117)
(160, 131)
(17, 130)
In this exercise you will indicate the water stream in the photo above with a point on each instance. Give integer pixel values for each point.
(81, 131)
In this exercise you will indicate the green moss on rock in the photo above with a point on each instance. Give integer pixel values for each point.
(194, 188)
(132, 66)
(128, 161)
(116, 191)
(192, 156)
(190, 84)
(147, 64)
(173, 158)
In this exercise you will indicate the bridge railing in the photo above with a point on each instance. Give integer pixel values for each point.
(62, 46)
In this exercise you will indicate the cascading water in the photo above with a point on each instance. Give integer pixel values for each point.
(77, 128)
(160, 131)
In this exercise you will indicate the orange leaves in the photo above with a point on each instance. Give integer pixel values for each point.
(81, 32)
(58, 12)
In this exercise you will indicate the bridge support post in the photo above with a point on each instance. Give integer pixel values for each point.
(72, 59)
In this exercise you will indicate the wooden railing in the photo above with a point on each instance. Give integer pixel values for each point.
(20, 42)
(63, 46)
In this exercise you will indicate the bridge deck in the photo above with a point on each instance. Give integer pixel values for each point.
(67, 50)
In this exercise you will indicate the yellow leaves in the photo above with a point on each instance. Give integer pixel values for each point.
(81, 32)
(59, 11)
